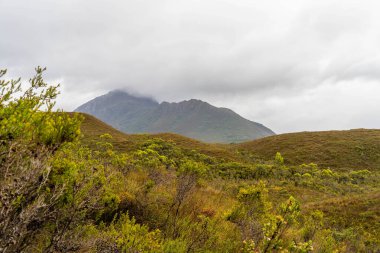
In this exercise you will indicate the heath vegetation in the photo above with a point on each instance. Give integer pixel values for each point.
(70, 183)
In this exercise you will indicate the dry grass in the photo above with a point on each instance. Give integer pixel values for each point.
(354, 149)
(360, 210)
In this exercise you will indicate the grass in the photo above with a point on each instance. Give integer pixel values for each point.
(353, 149)
(360, 209)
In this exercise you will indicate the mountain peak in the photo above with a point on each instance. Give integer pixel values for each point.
(194, 101)
(126, 95)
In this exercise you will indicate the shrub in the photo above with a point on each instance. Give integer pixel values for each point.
(30, 134)
(279, 159)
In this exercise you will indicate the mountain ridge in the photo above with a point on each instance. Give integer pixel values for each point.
(193, 118)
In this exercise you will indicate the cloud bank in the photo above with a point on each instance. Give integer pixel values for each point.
(291, 65)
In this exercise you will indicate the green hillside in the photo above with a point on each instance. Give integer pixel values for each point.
(354, 149)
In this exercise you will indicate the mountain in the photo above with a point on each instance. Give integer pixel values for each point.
(192, 118)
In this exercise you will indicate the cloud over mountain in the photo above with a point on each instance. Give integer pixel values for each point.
(275, 61)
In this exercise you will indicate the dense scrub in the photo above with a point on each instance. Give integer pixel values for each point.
(61, 192)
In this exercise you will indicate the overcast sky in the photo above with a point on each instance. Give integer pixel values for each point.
(291, 65)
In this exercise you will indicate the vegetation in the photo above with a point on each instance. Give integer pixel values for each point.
(70, 183)
(352, 149)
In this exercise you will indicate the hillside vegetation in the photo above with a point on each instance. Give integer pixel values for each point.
(351, 149)
(354, 149)
(70, 183)
(235, 160)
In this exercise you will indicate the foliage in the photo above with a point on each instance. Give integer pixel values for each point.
(104, 191)
(279, 159)
(29, 138)
(125, 235)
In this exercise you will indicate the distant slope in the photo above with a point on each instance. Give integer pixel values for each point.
(92, 128)
(121, 110)
(356, 149)
(194, 118)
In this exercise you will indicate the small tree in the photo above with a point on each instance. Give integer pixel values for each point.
(252, 211)
(279, 159)
(30, 133)
(278, 224)
(187, 178)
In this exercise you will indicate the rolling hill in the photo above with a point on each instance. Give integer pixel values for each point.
(193, 118)
(354, 149)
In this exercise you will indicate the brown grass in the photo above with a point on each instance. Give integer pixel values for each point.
(360, 210)
(354, 149)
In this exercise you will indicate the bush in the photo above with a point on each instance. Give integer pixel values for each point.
(30, 134)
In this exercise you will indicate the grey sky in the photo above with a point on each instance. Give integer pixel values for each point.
(291, 65)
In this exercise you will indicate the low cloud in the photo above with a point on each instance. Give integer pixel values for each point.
(292, 65)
